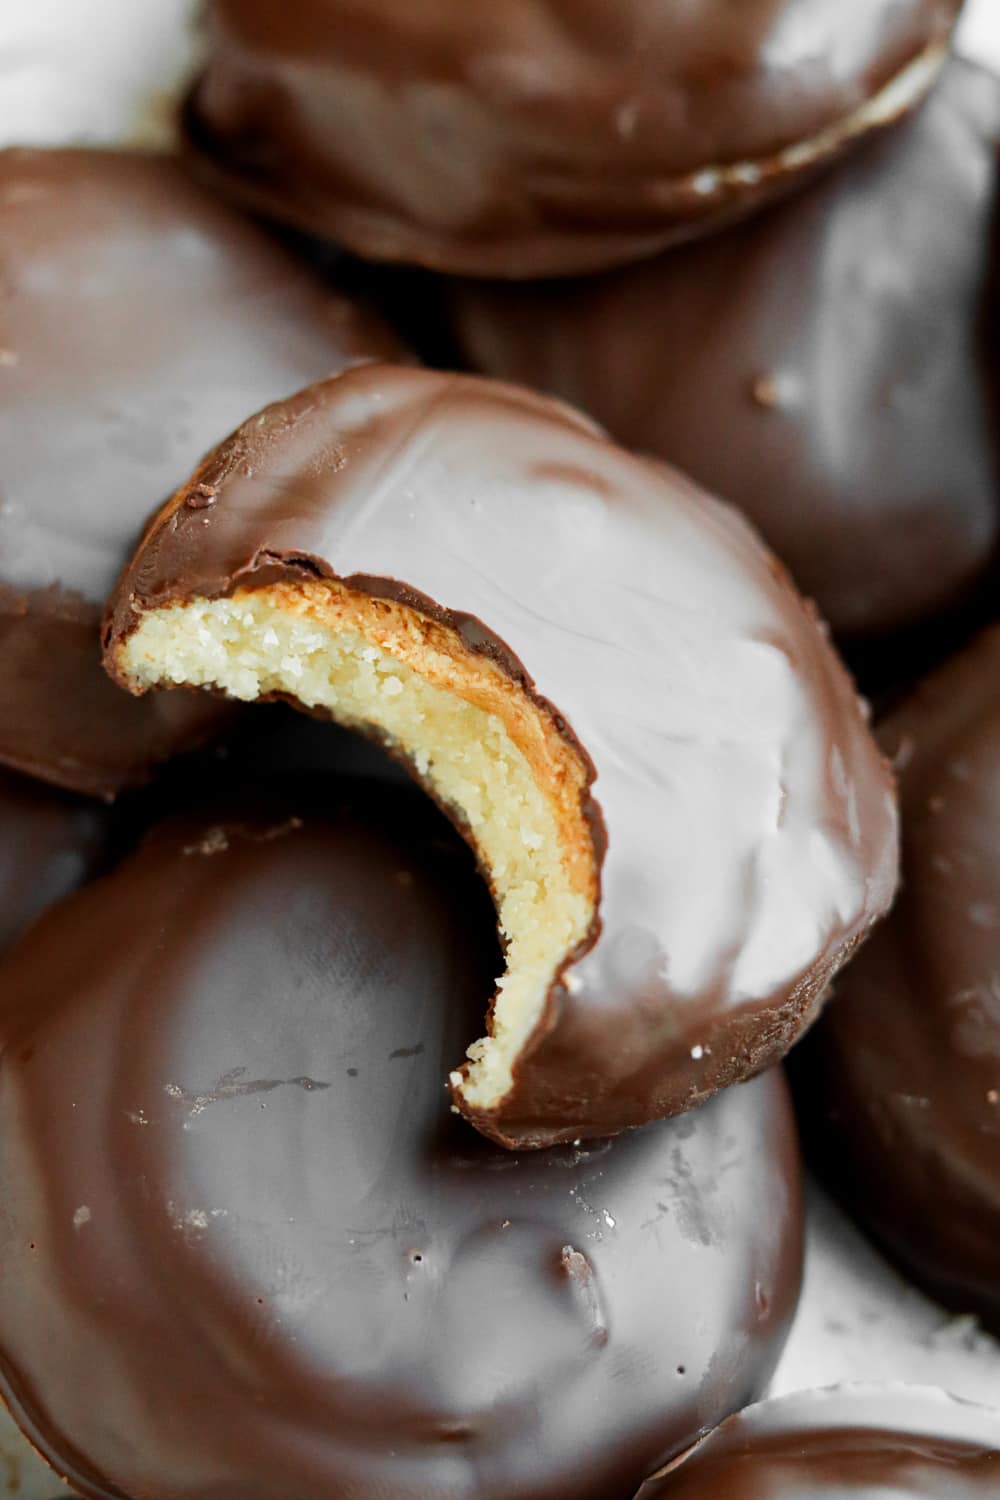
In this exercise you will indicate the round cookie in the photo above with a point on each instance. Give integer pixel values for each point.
(823, 367)
(250, 1250)
(138, 321)
(861, 1442)
(901, 1087)
(542, 137)
(49, 843)
(598, 670)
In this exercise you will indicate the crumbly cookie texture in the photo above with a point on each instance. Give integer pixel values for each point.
(488, 753)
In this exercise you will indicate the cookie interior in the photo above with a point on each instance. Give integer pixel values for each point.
(488, 751)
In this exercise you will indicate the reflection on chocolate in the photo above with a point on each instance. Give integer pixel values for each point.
(430, 555)
(261, 748)
(821, 366)
(248, 1248)
(138, 321)
(858, 1442)
(539, 137)
(902, 1084)
(49, 842)
(261, 752)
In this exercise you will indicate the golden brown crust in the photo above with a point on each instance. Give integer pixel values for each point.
(442, 659)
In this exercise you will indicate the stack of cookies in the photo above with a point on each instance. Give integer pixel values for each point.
(437, 506)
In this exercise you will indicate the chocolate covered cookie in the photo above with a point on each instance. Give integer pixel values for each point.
(902, 1084)
(139, 320)
(830, 366)
(250, 1250)
(599, 672)
(49, 842)
(859, 1442)
(540, 137)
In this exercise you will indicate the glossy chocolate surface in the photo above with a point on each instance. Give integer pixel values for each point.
(902, 1084)
(848, 1443)
(750, 821)
(138, 321)
(826, 367)
(534, 137)
(248, 1248)
(49, 842)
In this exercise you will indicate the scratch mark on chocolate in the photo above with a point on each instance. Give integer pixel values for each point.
(235, 1085)
(576, 1266)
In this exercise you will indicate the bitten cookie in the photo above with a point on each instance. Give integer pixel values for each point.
(597, 670)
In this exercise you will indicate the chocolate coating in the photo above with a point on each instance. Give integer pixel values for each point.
(138, 321)
(749, 820)
(823, 366)
(540, 137)
(849, 1443)
(249, 1250)
(49, 843)
(902, 1085)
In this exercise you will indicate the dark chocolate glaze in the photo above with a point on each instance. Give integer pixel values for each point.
(824, 366)
(902, 1086)
(272, 743)
(537, 137)
(138, 321)
(272, 748)
(890, 1442)
(250, 1251)
(49, 842)
(749, 820)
